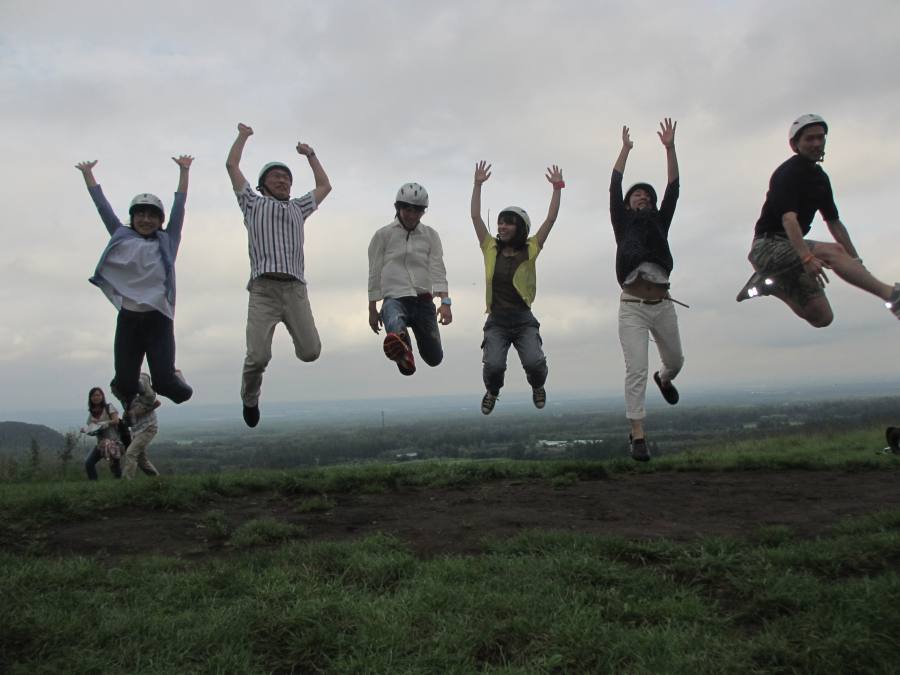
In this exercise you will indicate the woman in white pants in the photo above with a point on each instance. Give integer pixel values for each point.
(643, 265)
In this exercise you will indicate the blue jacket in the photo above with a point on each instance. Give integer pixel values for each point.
(169, 239)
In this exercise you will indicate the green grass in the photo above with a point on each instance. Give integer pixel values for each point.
(273, 601)
(536, 603)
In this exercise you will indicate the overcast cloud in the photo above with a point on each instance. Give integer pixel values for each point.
(388, 92)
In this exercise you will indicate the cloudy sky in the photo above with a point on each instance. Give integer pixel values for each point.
(388, 92)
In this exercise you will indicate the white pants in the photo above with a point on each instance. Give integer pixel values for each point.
(637, 322)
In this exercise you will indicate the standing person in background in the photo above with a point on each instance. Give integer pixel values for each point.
(277, 286)
(791, 267)
(510, 287)
(102, 423)
(643, 265)
(406, 271)
(137, 273)
(144, 427)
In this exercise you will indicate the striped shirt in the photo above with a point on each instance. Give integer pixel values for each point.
(275, 232)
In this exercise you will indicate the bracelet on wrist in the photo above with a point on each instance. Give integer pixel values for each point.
(807, 258)
(559, 185)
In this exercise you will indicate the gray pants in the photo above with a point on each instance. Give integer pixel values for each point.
(519, 329)
(273, 302)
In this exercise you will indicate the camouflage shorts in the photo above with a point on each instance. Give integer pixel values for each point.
(775, 257)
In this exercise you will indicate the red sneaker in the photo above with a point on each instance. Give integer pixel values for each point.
(396, 349)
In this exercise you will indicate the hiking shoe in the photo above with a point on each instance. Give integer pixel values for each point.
(539, 396)
(488, 403)
(757, 286)
(892, 435)
(893, 303)
(639, 451)
(396, 349)
(668, 390)
(251, 415)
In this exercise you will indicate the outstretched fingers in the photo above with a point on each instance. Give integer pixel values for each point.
(184, 161)
(482, 171)
(666, 131)
(554, 174)
(86, 166)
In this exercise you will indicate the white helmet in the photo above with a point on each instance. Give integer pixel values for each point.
(412, 193)
(273, 165)
(519, 212)
(804, 121)
(147, 199)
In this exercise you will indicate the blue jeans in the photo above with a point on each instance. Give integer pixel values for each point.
(90, 465)
(519, 329)
(398, 314)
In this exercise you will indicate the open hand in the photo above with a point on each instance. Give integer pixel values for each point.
(554, 174)
(626, 138)
(184, 161)
(86, 167)
(482, 172)
(667, 132)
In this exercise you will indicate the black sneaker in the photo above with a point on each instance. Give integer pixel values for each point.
(488, 402)
(539, 396)
(639, 451)
(251, 415)
(669, 392)
(757, 286)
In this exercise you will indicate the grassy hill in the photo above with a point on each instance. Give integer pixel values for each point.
(17, 436)
(772, 556)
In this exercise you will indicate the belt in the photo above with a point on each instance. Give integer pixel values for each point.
(278, 277)
(644, 302)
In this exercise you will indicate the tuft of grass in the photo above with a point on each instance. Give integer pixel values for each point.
(263, 532)
(316, 504)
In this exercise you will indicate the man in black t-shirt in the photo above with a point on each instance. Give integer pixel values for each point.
(789, 266)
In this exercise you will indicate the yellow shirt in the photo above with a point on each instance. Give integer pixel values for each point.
(525, 278)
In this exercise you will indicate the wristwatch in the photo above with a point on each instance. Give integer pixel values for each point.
(446, 301)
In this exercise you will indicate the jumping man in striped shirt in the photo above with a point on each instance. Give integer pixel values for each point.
(277, 286)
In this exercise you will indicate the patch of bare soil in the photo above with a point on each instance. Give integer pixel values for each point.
(434, 522)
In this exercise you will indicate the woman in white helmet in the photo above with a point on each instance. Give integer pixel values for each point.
(511, 285)
(137, 273)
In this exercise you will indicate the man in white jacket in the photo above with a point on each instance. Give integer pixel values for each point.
(406, 272)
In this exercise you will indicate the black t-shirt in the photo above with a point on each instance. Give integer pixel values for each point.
(801, 186)
(504, 296)
(641, 236)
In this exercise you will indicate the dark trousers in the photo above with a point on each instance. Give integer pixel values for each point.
(90, 465)
(150, 334)
(418, 314)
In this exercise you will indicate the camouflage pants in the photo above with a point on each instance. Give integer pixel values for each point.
(775, 257)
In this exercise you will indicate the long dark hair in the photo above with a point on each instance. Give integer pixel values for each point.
(512, 218)
(102, 405)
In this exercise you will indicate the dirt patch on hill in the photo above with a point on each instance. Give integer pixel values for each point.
(680, 506)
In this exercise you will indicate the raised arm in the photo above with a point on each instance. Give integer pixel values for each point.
(482, 173)
(323, 187)
(107, 215)
(184, 167)
(555, 178)
(627, 145)
(667, 136)
(233, 161)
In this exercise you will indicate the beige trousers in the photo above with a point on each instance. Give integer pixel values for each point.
(273, 302)
(136, 454)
